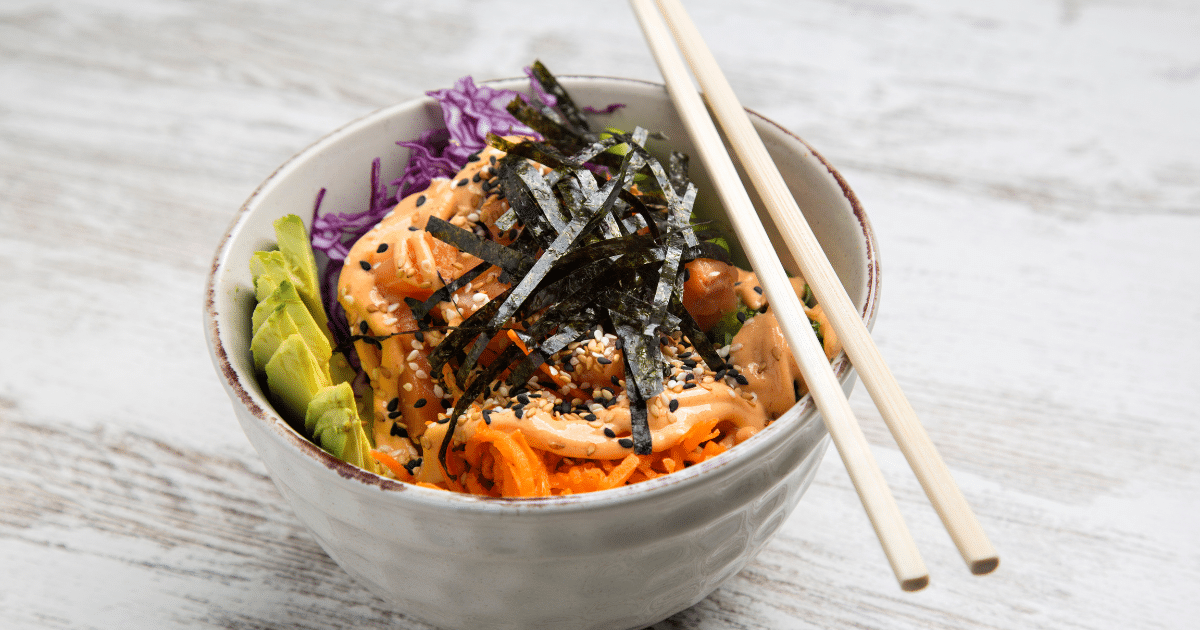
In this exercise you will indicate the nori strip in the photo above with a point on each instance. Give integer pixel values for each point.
(421, 309)
(521, 200)
(677, 166)
(552, 130)
(506, 258)
(564, 104)
(670, 281)
(543, 154)
(643, 377)
(699, 340)
(706, 249)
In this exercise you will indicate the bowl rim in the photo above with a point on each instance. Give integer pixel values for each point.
(800, 417)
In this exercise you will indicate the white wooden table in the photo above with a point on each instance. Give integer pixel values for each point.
(1031, 170)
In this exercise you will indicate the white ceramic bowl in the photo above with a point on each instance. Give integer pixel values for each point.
(622, 558)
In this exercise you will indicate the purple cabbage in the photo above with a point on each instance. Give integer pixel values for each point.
(471, 112)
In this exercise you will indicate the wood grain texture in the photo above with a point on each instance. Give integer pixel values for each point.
(1029, 168)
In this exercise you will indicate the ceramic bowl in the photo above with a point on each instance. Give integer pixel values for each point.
(622, 558)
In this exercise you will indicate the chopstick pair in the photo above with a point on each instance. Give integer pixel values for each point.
(851, 444)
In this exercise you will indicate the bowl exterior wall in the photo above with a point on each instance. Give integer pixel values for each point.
(616, 569)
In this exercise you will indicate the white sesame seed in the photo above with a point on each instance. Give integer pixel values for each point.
(421, 374)
(412, 356)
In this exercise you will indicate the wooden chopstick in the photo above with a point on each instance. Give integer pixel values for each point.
(931, 471)
(851, 444)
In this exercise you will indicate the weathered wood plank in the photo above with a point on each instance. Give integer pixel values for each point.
(1029, 168)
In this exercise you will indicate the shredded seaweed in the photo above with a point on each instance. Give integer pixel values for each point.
(604, 233)
(563, 101)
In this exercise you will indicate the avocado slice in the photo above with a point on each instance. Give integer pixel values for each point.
(289, 317)
(294, 376)
(301, 264)
(332, 419)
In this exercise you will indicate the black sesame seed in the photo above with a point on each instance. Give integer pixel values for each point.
(413, 228)
(615, 380)
(609, 433)
(567, 367)
(741, 317)
(419, 336)
(741, 380)
(524, 398)
(625, 443)
(758, 290)
(398, 430)
(603, 360)
(463, 181)
(591, 417)
(472, 157)
(393, 404)
(392, 415)
(492, 159)
(365, 265)
(476, 178)
(518, 412)
(363, 327)
(487, 417)
(382, 248)
(420, 201)
(689, 385)
(443, 420)
(689, 363)
(420, 403)
(446, 404)
(674, 404)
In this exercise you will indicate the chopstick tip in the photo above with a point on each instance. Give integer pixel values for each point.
(985, 566)
(914, 584)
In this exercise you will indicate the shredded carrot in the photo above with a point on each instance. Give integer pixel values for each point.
(519, 472)
(393, 465)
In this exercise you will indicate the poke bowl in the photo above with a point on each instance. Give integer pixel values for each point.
(624, 557)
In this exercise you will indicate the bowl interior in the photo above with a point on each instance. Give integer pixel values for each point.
(341, 163)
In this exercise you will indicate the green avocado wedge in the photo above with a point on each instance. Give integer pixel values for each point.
(308, 380)
(297, 252)
(333, 421)
(294, 376)
(285, 315)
